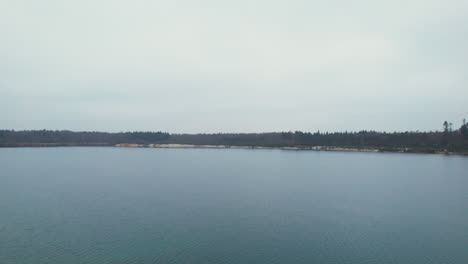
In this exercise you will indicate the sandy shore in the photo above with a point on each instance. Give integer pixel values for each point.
(316, 148)
(326, 148)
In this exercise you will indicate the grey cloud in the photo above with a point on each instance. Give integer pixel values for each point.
(186, 66)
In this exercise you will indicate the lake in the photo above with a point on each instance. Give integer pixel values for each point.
(109, 205)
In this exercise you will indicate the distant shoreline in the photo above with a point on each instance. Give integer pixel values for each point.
(434, 142)
(185, 146)
(316, 148)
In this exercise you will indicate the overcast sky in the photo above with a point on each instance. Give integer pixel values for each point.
(233, 66)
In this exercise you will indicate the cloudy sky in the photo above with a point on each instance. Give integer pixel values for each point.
(239, 66)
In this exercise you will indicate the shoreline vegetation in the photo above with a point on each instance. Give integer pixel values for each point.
(447, 141)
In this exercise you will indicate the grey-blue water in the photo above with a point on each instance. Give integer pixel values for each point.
(126, 206)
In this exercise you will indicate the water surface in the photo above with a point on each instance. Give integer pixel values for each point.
(133, 205)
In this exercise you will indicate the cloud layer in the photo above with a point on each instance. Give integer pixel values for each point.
(213, 66)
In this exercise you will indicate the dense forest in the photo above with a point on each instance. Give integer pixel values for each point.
(453, 140)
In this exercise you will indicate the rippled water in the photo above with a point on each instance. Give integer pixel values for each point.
(123, 205)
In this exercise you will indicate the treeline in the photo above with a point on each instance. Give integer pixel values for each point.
(448, 139)
(428, 141)
(65, 137)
